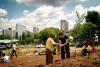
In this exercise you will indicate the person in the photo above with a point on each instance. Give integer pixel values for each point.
(50, 49)
(63, 40)
(96, 40)
(86, 49)
(14, 53)
(5, 58)
(0, 53)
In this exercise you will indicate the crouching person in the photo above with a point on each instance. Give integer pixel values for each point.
(5, 58)
(86, 49)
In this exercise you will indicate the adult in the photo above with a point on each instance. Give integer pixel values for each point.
(49, 49)
(14, 53)
(63, 41)
(86, 49)
(96, 41)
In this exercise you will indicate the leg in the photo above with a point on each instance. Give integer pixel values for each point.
(84, 51)
(47, 56)
(12, 53)
(51, 57)
(62, 53)
(67, 50)
(15, 53)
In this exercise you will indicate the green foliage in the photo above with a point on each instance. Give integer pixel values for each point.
(26, 38)
(83, 31)
(2, 37)
(87, 30)
(44, 34)
(16, 36)
(77, 31)
(94, 17)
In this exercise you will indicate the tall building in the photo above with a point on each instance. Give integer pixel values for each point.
(35, 30)
(9, 31)
(20, 29)
(64, 25)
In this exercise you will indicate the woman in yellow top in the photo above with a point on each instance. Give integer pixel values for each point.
(49, 49)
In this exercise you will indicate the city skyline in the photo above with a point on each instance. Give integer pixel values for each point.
(44, 13)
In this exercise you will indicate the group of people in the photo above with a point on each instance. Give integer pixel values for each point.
(51, 45)
(5, 57)
(63, 43)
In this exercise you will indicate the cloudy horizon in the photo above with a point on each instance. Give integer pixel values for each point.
(44, 13)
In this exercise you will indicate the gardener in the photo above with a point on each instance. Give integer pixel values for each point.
(49, 49)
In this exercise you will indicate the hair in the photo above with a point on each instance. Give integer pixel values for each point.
(14, 42)
(3, 54)
(86, 43)
(52, 35)
(61, 33)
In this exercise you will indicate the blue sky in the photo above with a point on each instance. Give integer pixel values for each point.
(14, 9)
(42, 12)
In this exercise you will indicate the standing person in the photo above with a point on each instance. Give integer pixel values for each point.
(14, 53)
(63, 40)
(49, 49)
(96, 40)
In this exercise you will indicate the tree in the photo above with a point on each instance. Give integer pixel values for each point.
(83, 31)
(6, 37)
(44, 34)
(94, 17)
(16, 36)
(29, 38)
(23, 36)
(77, 31)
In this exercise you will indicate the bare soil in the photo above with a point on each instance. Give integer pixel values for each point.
(28, 59)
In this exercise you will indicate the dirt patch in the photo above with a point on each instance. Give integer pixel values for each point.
(28, 59)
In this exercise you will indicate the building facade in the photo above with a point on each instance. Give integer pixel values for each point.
(64, 25)
(35, 30)
(20, 29)
(10, 32)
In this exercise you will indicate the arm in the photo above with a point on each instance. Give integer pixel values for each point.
(59, 42)
(66, 41)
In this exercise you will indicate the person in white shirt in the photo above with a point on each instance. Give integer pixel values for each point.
(96, 40)
(5, 58)
(14, 53)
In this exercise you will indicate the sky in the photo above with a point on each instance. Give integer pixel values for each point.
(43, 13)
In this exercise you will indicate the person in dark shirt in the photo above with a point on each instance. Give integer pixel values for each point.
(63, 41)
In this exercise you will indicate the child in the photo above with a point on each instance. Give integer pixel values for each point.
(5, 58)
(14, 53)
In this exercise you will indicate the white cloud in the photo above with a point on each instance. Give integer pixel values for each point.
(5, 24)
(97, 8)
(49, 16)
(44, 16)
(43, 2)
(81, 1)
(25, 12)
(3, 12)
